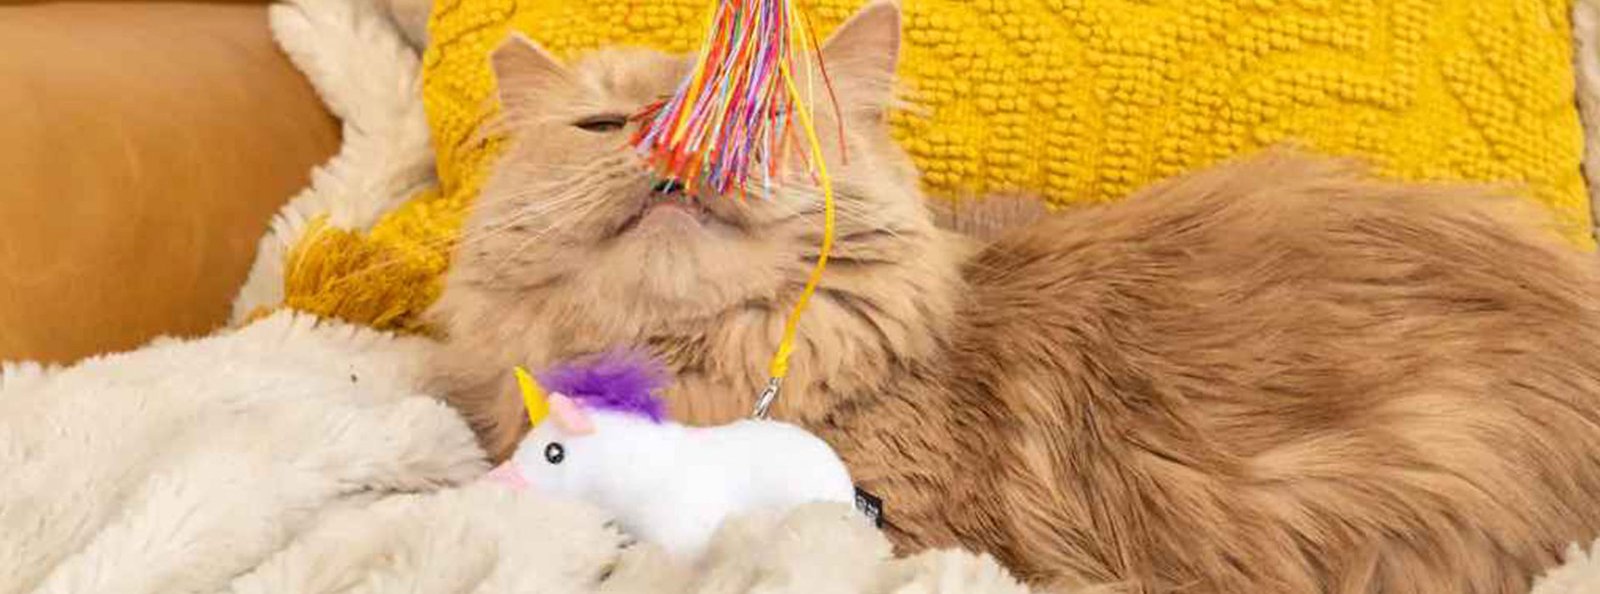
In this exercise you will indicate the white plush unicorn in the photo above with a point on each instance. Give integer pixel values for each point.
(601, 435)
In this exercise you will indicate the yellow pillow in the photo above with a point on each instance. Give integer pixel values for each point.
(1076, 100)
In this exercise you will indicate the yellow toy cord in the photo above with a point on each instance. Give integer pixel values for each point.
(778, 369)
(533, 396)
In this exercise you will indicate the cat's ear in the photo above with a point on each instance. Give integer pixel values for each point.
(523, 70)
(861, 55)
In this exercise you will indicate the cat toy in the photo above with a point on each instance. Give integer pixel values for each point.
(734, 116)
(601, 434)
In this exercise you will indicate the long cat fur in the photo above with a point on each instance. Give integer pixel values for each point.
(1278, 374)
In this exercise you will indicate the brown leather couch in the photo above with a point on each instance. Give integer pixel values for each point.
(143, 149)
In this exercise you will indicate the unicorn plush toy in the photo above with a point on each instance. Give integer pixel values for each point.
(601, 435)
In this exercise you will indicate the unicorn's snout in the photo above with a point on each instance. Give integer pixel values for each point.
(509, 475)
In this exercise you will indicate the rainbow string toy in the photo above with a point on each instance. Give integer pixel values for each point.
(734, 116)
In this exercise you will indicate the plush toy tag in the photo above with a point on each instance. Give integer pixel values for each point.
(870, 506)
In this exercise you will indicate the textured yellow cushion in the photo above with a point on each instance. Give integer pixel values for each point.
(1081, 100)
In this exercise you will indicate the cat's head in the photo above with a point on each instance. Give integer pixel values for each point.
(572, 204)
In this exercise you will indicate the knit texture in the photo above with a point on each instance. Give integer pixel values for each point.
(1072, 100)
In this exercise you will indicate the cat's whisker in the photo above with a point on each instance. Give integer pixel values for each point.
(454, 244)
(569, 218)
(852, 220)
(531, 211)
(598, 200)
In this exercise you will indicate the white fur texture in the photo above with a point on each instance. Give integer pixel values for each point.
(178, 466)
(673, 485)
(371, 79)
(1580, 574)
(411, 17)
(296, 457)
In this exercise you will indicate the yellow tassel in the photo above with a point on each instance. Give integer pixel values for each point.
(339, 274)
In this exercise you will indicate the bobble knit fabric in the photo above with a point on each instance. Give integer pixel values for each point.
(1071, 100)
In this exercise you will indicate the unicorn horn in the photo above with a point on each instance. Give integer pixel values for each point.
(533, 397)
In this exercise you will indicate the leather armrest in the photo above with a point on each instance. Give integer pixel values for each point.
(144, 148)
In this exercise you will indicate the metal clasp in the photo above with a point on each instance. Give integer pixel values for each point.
(768, 395)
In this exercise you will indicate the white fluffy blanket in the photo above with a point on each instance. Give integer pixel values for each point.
(296, 457)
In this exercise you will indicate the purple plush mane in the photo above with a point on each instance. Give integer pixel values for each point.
(625, 381)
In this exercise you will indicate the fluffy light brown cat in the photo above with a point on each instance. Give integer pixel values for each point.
(1276, 375)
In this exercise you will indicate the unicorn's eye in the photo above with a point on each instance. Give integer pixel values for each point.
(554, 453)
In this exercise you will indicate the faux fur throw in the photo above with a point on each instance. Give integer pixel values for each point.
(292, 457)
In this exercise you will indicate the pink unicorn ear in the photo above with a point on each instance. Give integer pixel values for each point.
(569, 416)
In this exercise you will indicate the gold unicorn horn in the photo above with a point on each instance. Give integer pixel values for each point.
(533, 397)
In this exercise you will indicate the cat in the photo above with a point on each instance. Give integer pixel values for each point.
(1276, 374)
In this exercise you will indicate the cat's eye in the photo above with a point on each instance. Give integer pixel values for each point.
(602, 123)
(554, 453)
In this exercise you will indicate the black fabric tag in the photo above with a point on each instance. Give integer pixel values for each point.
(870, 506)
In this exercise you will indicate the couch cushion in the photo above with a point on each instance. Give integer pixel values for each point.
(1086, 100)
(145, 147)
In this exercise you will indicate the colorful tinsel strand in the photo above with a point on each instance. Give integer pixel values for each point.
(735, 112)
(738, 108)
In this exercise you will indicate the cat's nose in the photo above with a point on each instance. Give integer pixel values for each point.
(668, 187)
